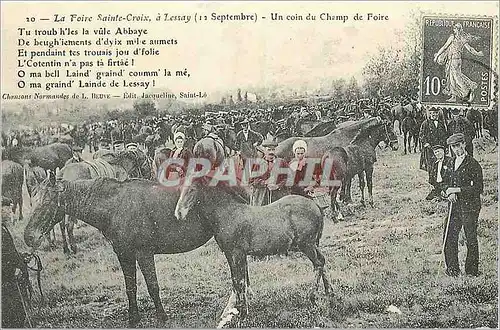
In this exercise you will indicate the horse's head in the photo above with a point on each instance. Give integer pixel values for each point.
(45, 209)
(190, 196)
(136, 163)
(385, 133)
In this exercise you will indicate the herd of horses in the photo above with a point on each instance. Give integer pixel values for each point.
(141, 218)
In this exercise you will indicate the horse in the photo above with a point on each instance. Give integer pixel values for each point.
(241, 230)
(399, 112)
(361, 157)
(136, 216)
(317, 146)
(211, 149)
(476, 118)
(12, 184)
(410, 130)
(491, 123)
(338, 160)
(48, 157)
(321, 129)
(128, 163)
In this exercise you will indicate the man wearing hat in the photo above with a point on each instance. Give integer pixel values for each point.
(118, 146)
(463, 185)
(436, 172)
(247, 140)
(77, 155)
(432, 132)
(104, 149)
(460, 124)
(262, 189)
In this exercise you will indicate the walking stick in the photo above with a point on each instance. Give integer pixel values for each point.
(446, 232)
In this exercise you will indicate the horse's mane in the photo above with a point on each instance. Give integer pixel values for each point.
(237, 192)
(364, 133)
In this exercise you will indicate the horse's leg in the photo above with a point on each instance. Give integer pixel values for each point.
(311, 251)
(21, 208)
(247, 279)
(127, 263)
(405, 140)
(369, 184)
(70, 226)
(361, 179)
(147, 264)
(236, 261)
(62, 225)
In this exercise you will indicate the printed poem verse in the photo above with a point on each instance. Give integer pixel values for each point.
(120, 56)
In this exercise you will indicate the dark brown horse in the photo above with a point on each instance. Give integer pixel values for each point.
(48, 157)
(334, 167)
(241, 230)
(362, 156)
(317, 146)
(211, 149)
(136, 217)
(128, 163)
(12, 184)
(410, 129)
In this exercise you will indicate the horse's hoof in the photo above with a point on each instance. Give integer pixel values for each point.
(73, 249)
(133, 321)
(161, 316)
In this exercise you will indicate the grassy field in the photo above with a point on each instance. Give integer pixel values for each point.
(377, 257)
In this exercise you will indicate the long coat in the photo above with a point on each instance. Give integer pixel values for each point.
(246, 146)
(433, 135)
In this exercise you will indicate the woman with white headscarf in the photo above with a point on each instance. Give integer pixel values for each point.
(179, 151)
(299, 166)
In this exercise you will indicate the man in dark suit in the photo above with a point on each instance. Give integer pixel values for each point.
(436, 172)
(463, 182)
(247, 140)
(432, 132)
(460, 124)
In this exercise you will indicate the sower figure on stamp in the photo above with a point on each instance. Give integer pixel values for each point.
(432, 132)
(458, 85)
(463, 184)
(460, 124)
(436, 172)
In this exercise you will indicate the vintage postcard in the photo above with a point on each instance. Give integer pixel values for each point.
(290, 164)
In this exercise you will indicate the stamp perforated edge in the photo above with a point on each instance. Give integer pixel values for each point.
(494, 61)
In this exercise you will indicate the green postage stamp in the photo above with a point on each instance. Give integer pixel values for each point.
(458, 61)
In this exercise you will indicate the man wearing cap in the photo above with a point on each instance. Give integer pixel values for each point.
(436, 172)
(432, 132)
(77, 155)
(247, 140)
(460, 124)
(463, 185)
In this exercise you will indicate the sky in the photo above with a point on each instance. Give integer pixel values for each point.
(226, 55)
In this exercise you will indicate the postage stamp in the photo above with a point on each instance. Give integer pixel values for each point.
(458, 61)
